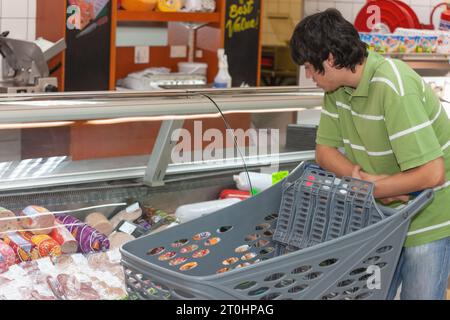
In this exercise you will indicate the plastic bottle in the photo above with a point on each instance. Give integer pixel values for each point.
(260, 181)
(189, 212)
(223, 78)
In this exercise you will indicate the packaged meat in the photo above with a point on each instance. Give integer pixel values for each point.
(24, 249)
(89, 239)
(46, 246)
(7, 257)
(8, 221)
(130, 213)
(64, 238)
(117, 239)
(98, 221)
(37, 219)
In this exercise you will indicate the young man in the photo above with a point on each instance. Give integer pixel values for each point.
(395, 133)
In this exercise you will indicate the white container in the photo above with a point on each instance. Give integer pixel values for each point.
(223, 78)
(193, 68)
(260, 181)
(189, 212)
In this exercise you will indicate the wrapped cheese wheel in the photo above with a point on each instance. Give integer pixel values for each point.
(131, 213)
(98, 221)
(89, 240)
(46, 246)
(37, 219)
(117, 239)
(169, 5)
(24, 249)
(64, 238)
(8, 221)
(139, 5)
(7, 257)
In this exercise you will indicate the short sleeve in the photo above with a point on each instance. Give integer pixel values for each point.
(329, 132)
(411, 134)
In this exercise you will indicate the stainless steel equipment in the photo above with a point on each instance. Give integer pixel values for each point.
(25, 68)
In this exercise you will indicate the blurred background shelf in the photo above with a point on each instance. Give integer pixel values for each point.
(131, 16)
(425, 64)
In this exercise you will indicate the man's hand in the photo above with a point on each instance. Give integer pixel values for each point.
(359, 174)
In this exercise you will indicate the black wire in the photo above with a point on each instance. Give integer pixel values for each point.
(227, 125)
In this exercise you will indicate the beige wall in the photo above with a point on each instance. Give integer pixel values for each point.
(292, 8)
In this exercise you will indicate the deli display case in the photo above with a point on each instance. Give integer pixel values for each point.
(83, 173)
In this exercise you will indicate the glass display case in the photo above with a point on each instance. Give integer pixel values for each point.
(118, 165)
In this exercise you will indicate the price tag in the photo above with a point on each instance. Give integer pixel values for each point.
(79, 259)
(16, 270)
(11, 293)
(127, 227)
(114, 255)
(134, 207)
(45, 265)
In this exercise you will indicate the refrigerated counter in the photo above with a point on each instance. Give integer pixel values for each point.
(153, 161)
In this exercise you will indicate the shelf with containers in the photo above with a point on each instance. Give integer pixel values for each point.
(105, 59)
(67, 186)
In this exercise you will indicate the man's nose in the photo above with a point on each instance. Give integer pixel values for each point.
(308, 74)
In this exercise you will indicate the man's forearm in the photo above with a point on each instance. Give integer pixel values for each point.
(429, 175)
(332, 160)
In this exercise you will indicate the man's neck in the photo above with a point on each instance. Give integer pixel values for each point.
(352, 79)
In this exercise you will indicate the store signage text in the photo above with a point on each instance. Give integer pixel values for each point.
(239, 17)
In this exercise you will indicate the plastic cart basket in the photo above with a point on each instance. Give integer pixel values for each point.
(231, 254)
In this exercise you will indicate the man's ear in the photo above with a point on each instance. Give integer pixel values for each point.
(330, 60)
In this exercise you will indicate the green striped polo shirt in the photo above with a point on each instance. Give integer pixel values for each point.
(392, 122)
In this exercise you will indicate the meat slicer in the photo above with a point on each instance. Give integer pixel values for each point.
(24, 66)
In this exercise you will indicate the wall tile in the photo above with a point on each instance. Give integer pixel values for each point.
(18, 27)
(31, 33)
(32, 8)
(14, 8)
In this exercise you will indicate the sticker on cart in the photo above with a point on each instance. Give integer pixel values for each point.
(223, 270)
(179, 243)
(189, 266)
(188, 249)
(212, 241)
(245, 264)
(230, 261)
(248, 256)
(200, 253)
(177, 261)
(242, 249)
(167, 256)
(156, 251)
(202, 236)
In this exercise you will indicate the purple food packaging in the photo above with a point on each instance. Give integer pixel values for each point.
(89, 239)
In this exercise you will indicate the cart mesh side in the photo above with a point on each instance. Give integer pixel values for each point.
(231, 254)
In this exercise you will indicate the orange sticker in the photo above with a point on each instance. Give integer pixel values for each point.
(200, 253)
(177, 261)
(189, 266)
(202, 236)
(167, 256)
(188, 249)
(212, 241)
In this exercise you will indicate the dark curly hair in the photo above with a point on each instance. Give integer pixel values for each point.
(320, 34)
